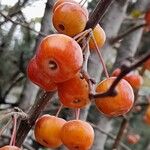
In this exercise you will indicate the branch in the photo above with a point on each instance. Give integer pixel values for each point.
(21, 24)
(18, 79)
(124, 71)
(120, 133)
(34, 112)
(98, 13)
(129, 31)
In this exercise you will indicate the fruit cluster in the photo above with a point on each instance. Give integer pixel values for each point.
(51, 131)
(57, 66)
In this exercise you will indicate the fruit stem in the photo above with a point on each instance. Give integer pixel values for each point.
(100, 56)
(13, 136)
(77, 113)
(81, 35)
(60, 108)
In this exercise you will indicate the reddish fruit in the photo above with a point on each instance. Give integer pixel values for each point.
(99, 36)
(60, 57)
(77, 135)
(147, 64)
(113, 106)
(116, 72)
(74, 93)
(133, 138)
(58, 2)
(47, 131)
(8, 147)
(69, 18)
(38, 77)
(135, 80)
(146, 117)
(147, 17)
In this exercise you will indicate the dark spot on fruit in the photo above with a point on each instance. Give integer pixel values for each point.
(45, 142)
(76, 147)
(61, 27)
(52, 65)
(76, 101)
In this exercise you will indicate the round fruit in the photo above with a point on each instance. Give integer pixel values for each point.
(77, 135)
(60, 57)
(133, 138)
(74, 93)
(113, 106)
(99, 36)
(38, 77)
(147, 64)
(47, 131)
(135, 80)
(58, 2)
(69, 18)
(8, 147)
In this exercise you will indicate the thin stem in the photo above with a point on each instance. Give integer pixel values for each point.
(120, 133)
(82, 35)
(84, 3)
(60, 108)
(129, 31)
(77, 113)
(13, 136)
(98, 13)
(100, 56)
(23, 25)
(124, 71)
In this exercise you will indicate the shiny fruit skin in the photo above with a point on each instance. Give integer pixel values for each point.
(8, 147)
(60, 57)
(58, 2)
(74, 93)
(133, 138)
(38, 77)
(77, 135)
(99, 36)
(113, 106)
(147, 64)
(69, 18)
(135, 80)
(47, 131)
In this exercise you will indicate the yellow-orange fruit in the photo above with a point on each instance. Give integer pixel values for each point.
(77, 135)
(74, 93)
(120, 104)
(69, 18)
(99, 36)
(47, 131)
(58, 2)
(146, 117)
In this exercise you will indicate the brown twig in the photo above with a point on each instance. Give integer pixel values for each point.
(21, 24)
(123, 126)
(34, 112)
(98, 13)
(129, 31)
(124, 71)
